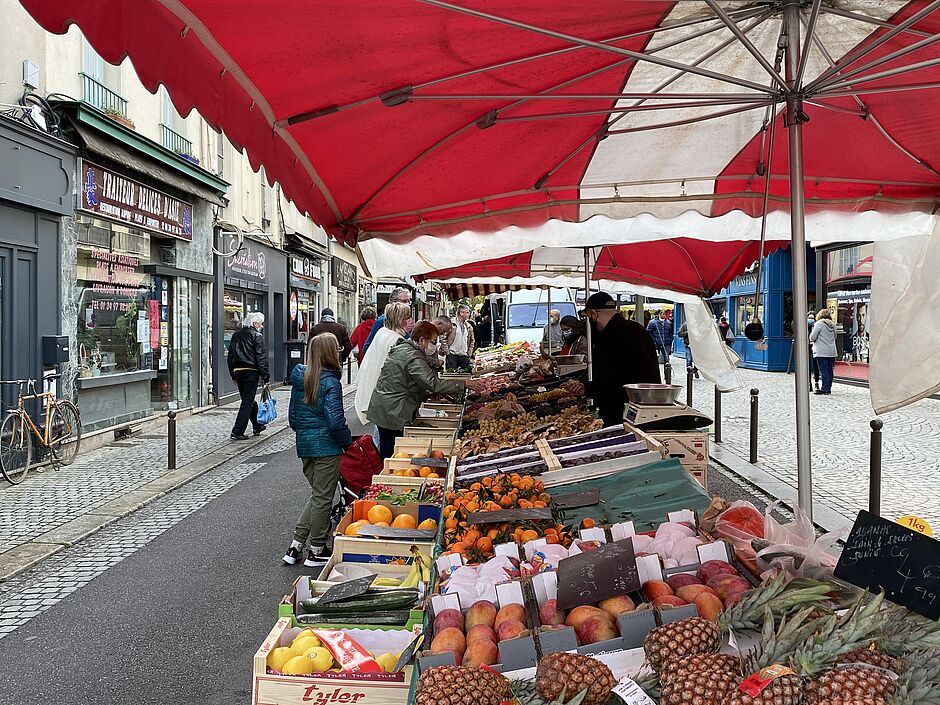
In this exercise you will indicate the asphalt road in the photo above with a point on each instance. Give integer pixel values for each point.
(179, 620)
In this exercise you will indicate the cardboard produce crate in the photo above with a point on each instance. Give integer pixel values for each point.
(388, 477)
(328, 688)
(688, 447)
(361, 507)
(349, 549)
(415, 446)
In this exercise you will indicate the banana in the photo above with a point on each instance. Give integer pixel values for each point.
(386, 582)
(414, 575)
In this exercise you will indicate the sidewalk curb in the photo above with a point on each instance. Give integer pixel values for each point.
(28, 554)
(824, 516)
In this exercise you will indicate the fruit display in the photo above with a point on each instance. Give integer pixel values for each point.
(307, 655)
(495, 493)
(499, 434)
(430, 493)
(592, 623)
(472, 638)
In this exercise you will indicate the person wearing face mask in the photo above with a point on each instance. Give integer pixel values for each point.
(397, 324)
(460, 340)
(407, 379)
(551, 333)
(623, 353)
(573, 339)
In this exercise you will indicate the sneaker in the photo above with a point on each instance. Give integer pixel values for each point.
(240, 437)
(293, 553)
(258, 431)
(316, 557)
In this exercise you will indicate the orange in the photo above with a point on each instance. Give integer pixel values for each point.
(410, 473)
(529, 535)
(424, 471)
(380, 523)
(353, 529)
(428, 524)
(471, 536)
(378, 513)
(458, 548)
(404, 521)
(588, 523)
(484, 544)
(434, 476)
(401, 454)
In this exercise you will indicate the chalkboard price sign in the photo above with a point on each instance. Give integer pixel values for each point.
(880, 554)
(595, 575)
(503, 515)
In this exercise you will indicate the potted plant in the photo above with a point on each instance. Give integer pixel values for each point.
(119, 117)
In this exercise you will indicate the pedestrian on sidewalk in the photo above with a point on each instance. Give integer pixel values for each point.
(724, 330)
(328, 324)
(689, 362)
(811, 321)
(660, 328)
(406, 381)
(361, 334)
(247, 366)
(823, 338)
(317, 417)
(397, 320)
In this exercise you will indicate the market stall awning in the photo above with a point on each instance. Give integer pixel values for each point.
(410, 117)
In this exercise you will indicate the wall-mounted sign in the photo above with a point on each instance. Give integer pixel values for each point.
(111, 195)
(344, 275)
(250, 262)
(304, 267)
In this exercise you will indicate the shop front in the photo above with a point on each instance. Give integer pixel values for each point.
(344, 277)
(36, 186)
(304, 303)
(847, 274)
(252, 278)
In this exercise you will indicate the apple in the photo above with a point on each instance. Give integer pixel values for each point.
(710, 569)
(657, 588)
(669, 601)
(448, 618)
(577, 616)
(708, 605)
(615, 606)
(509, 612)
(690, 592)
(597, 628)
(681, 580)
(727, 585)
(480, 612)
(550, 614)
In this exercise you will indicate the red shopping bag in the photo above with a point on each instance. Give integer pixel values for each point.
(360, 462)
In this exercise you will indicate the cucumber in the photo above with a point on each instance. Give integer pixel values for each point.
(370, 603)
(398, 617)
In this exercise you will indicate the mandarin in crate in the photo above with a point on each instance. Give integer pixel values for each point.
(379, 513)
(428, 524)
(424, 471)
(404, 521)
(401, 454)
(509, 612)
(481, 612)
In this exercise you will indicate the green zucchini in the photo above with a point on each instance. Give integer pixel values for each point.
(383, 617)
(370, 603)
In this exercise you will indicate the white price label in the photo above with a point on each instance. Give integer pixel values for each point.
(631, 693)
(733, 642)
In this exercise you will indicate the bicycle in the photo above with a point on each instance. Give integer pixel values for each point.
(61, 432)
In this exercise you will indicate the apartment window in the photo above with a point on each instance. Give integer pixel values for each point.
(172, 127)
(101, 82)
(220, 155)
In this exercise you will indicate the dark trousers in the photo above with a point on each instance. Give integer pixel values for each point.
(387, 438)
(453, 360)
(826, 368)
(247, 382)
(815, 367)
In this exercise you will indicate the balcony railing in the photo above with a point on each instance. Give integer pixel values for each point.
(174, 141)
(100, 96)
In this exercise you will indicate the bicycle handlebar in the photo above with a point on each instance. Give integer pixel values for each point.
(18, 381)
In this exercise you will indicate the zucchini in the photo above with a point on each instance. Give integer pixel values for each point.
(369, 603)
(397, 617)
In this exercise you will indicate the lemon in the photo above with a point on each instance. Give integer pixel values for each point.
(387, 662)
(279, 656)
(298, 666)
(304, 644)
(303, 633)
(321, 659)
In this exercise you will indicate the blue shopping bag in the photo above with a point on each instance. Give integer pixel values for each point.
(267, 407)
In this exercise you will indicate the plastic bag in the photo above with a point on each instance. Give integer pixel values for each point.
(796, 550)
(740, 524)
(267, 407)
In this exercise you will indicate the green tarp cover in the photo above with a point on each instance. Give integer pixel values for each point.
(642, 495)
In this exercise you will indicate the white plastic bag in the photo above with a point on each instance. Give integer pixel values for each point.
(796, 550)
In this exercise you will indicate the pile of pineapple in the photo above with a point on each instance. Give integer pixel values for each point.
(866, 654)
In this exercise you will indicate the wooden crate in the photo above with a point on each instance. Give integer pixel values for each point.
(325, 688)
(424, 445)
(430, 432)
(440, 406)
(652, 442)
(355, 549)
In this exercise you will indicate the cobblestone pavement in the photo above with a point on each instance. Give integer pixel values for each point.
(840, 442)
(48, 499)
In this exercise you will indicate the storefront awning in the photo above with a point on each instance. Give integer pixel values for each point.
(114, 150)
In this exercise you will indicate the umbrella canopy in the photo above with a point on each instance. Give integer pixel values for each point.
(411, 117)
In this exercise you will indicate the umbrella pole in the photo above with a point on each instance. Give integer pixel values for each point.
(587, 323)
(794, 121)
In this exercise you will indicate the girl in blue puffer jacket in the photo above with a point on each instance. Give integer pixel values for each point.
(316, 415)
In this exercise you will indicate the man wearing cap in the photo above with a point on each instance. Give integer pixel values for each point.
(329, 324)
(623, 353)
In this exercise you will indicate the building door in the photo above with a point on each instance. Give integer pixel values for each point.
(18, 330)
(276, 342)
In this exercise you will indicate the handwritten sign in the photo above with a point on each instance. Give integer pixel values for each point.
(344, 591)
(576, 499)
(593, 576)
(498, 517)
(430, 462)
(881, 554)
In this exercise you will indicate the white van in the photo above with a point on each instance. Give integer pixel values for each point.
(527, 312)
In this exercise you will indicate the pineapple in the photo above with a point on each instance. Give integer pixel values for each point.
(698, 663)
(458, 685)
(872, 657)
(699, 688)
(682, 638)
(560, 674)
(873, 682)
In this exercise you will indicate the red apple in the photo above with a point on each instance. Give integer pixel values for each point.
(710, 569)
(681, 580)
(657, 588)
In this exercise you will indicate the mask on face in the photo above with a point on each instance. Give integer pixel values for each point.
(409, 324)
(431, 349)
(565, 334)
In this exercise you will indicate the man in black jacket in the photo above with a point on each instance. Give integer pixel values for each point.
(623, 353)
(247, 365)
(329, 324)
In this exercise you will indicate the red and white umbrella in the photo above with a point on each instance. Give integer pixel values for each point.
(403, 119)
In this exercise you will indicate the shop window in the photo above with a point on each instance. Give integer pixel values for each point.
(236, 305)
(744, 313)
(301, 314)
(848, 297)
(788, 312)
(118, 316)
(346, 308)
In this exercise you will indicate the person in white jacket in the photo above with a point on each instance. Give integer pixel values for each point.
(398, 321)
(823, 338)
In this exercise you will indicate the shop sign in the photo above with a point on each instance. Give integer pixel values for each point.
(344, 275)
(248, 263)
(749, 279)
(432, 296)
(116, 197)
(303, 267)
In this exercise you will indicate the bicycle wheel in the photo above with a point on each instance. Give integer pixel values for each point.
(16, 448)
(65, 432)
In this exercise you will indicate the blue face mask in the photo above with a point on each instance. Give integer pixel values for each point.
(565, 334)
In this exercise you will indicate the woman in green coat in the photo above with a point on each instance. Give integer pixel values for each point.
(405, 382)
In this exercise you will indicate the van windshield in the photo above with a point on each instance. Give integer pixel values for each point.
(536, 315)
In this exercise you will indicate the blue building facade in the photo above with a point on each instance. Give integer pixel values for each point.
(737, 302)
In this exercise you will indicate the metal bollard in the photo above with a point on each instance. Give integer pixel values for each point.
(754, 393)
(688, 388)
(717, 415)
(667, 372)
(349, 370)
(171, 441)
(874, 471)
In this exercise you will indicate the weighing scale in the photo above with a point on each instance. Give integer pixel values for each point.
(666, 417)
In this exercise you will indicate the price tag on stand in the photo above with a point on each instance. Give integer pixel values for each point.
(632, 694)
(590, 577)
(344, 591)
(915, 523)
